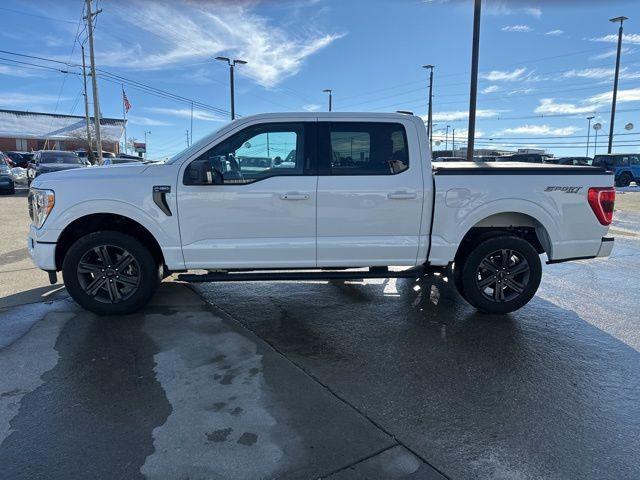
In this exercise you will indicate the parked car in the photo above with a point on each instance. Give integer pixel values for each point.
(485, 158)
(626, 166)
(20, 159)
(114, 232)
(7, 182)
(47, 161)
(523, 157)
(570, 161)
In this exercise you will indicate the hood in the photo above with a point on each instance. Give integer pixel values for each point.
(109, 173)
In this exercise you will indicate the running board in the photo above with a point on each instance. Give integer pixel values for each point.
(415, 272)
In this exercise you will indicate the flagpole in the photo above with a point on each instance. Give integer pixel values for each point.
(124, 117)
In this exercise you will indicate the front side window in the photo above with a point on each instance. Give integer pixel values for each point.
(367, 148)
(258, 152)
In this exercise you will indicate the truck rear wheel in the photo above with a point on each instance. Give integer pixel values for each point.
(624, 180)
(110, 273)
(501, 274)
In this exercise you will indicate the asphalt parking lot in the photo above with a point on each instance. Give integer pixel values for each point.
(344, 380)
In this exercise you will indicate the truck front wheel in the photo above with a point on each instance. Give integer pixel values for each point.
(501, 274)
(110, 273)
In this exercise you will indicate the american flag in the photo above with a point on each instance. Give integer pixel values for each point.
(125, 101)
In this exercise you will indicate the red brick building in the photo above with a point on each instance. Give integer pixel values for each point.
(28, 131)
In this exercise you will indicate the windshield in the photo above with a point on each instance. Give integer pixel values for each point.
(67, 158)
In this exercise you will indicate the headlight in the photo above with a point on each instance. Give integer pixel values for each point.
(41, 203)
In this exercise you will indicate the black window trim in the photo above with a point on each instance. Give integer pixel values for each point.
(309, 139)
(324, 154)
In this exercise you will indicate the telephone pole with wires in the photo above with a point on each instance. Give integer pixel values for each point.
(94, 79)
(86, 107)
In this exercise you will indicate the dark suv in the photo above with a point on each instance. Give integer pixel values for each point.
(626, 166)
(47, 161)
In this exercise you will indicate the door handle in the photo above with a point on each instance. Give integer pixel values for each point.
(294, 196)
(402, 195)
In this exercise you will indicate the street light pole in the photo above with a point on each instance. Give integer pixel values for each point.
(430, 114)
(232, 63)
(453, 143)
(588, 132)
(615, 80)
(473, 93)
(446, 139)
(330, 92)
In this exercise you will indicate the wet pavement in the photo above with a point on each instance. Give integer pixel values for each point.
(378, 379)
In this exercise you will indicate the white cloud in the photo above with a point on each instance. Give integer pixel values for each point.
(517, 28)
(17, 72)
(491, 89)
(599, 73)
(186, 113)
(533, 11)
(588, 105)
(146, 121)
(613, 38)
(192, 31)
(312, 107)
(611, 53)
(500, 75)
(520, 91)
(13, 99)
(538, 130)
(453, 116)
(555, 33)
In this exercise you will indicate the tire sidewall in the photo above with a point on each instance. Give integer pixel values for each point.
(624, 180)
(149, 272)
(472, 292)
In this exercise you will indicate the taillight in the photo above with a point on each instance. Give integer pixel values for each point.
(601, 200)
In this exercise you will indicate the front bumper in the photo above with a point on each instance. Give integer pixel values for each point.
(42, 253)
(606, 246)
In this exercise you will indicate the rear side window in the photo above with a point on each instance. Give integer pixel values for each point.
(364, 148)
(635, 160)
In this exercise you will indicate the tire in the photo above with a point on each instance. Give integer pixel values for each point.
(456, 274)
(92, 279)
(501, 274)
(623, 180)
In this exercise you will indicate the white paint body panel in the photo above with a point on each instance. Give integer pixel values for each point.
(342, 221)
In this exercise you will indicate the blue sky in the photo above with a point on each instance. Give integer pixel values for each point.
(538, 58)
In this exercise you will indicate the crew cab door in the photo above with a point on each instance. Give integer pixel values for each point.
(260, 209)
(370, 194)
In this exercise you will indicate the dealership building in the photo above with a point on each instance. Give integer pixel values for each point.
(29, 131)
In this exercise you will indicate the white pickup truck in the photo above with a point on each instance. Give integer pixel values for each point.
(315, 196)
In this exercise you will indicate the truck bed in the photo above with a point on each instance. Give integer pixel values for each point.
(513, 168)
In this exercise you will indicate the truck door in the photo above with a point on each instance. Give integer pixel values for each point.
(260, 210)
(370, 194)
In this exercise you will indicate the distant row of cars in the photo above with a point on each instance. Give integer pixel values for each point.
(626, 166)
(18, 167)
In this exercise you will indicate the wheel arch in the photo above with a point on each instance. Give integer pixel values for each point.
(95, 222)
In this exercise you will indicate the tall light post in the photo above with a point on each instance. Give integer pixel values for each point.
(232, 63)
(473, 93)
(430, 114)
(330, 92)
(615, 80)
(446, 139)
(453, 143)
(596, 127)
(145, 143)
(588, 132)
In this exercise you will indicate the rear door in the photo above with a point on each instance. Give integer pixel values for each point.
(370, 193)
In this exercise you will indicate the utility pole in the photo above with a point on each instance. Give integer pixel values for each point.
(330, 92)
(187, 132)
(446, 139)
(453, 143)
(430, 114)
(86, 107)
(474, 79)
(94, 80)
(615, 80)
(232, 64)
(191, 128)
(588, 132)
